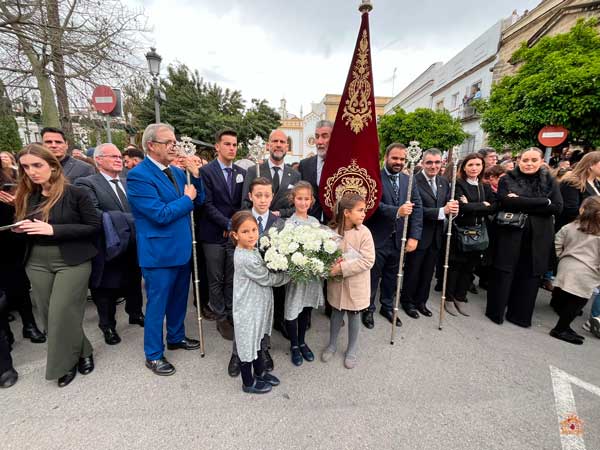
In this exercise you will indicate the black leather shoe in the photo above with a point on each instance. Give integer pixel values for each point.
(233, 368)
(411, 312)
(186, 343)
(68, 377)
(111, 337)
(574, 333)
(424, 310)
(137, 319)
(296, 356)
(86, 365)
(307, 353)
(32, 332)
(8, 378)
(259, 387)
(389, 315)
(160, 367)
(267, 361)
(268, 378)
(367, 319)
(566, 336)
(281, 328)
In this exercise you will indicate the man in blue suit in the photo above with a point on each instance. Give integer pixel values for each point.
(386, 226)
(224, 182)
(161, 203)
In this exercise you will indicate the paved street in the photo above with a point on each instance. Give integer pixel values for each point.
(474, 385)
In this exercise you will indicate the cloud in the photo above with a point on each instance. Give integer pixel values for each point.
(302, 50)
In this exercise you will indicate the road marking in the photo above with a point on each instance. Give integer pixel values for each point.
(570, 425)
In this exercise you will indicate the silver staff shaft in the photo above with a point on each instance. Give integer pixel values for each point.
(400, 279)
(196, 279)
(448, 238)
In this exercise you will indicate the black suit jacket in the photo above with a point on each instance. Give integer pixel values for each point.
(433, 228)
(75, 223)
(280, 202)
(220, 205)
(308, 172)
(110, 274)
(74, 169)
(384, 221)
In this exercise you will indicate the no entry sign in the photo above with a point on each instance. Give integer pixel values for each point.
(552, 136)
(104, 99)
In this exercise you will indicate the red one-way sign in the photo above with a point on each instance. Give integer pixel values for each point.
(104, 99)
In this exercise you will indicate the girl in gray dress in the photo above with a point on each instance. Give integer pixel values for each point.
(301, 298)
(252, 302)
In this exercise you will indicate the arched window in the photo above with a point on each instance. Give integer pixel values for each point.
(290, 142)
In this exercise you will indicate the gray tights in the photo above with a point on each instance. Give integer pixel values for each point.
(335, 324)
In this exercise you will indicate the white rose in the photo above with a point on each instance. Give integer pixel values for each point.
(330, 247)
(299, 259)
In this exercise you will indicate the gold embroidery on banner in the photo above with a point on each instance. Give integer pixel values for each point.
(357, 110)
(352, 178)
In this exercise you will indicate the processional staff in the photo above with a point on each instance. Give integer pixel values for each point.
(413, 155)
(187, 148)
(453, 156)
(256, 151)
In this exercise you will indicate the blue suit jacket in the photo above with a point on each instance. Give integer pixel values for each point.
(162, 215)
(220, 205)
(384, 221)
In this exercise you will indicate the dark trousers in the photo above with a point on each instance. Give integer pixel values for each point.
(568, 307)
(387, 260)
(202, 276)
(5, 347)
(219, 270)
(514, 292)
(460, 275)
(167, 290)
(106, 303)
(16, 286)
(418, 272)
(278, 304)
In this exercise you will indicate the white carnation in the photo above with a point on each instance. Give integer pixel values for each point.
(299, 259)
(329, 246)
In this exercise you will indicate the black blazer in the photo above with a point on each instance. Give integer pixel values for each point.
(384, 221)
(220, 205)
(433, 228)
(308, 172)
(280, 201)
(75, 223)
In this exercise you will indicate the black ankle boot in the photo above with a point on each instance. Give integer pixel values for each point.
(32, 332)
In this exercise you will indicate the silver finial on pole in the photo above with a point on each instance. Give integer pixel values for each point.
(365, 6)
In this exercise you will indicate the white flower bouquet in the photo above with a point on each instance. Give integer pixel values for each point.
(306, 252)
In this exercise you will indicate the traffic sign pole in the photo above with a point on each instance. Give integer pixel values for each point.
(108, 135)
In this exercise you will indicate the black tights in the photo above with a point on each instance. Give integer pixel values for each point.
(297, 328)
(246, 369)
(567, 306)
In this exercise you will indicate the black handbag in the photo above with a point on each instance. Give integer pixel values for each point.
(511, 220)
(472, 238)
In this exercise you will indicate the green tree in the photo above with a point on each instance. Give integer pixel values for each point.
(199, 109)
(9, 130)
(431, 128)
(118, 137)
(558, 83)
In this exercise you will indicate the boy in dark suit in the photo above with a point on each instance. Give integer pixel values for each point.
(224, 183)
(261, 197)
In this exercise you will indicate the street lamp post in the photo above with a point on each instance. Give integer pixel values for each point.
(154, 60)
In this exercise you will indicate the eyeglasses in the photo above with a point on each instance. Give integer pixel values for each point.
(168, 144)
(110, 156)
(431, 163)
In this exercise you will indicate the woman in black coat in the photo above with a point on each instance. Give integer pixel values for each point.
(61, 225)
(476, 202)
(522, 255)
(582, 182)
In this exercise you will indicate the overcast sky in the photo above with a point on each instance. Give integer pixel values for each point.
(301, 50)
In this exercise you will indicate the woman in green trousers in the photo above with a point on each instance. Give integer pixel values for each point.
(61, 223)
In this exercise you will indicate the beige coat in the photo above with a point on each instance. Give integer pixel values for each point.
(353, 291)
(579, 261)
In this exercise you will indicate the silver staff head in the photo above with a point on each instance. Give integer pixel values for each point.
(186, 147)
(413, 153)
(256, 148)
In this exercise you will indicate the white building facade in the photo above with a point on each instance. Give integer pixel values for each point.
(452, 86)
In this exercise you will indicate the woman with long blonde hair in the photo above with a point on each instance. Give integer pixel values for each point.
(582, 182)
(60, 222)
